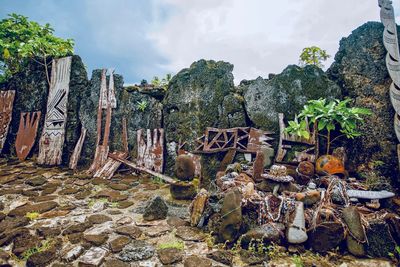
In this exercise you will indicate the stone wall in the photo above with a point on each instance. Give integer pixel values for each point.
(199, 97)
(32, 92)
(127, 106)
(31, 95)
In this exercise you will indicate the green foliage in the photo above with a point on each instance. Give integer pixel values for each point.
(173, 244)
(142, 105)
(156, 82)
(313, 56)
(298, 262)
(46, 244)
(32, 215)
(94, 201)
(21, 39)
(329, 117)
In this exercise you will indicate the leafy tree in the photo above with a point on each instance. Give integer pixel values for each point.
(329, 117)
(21, 39)
(313, 56)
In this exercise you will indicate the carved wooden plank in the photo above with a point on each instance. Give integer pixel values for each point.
(286, 139)
(102, 150)
(111, 91)
(243, 139)
(111, 165)
(103, 91)
(53, 136)
(391, 43)
(151, 151)
(134, 166)
(6, 107)
(73, 163)
(27, 132)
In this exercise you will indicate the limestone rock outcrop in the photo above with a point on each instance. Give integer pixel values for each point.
(360, 69)
(285, 93)
(198, 97)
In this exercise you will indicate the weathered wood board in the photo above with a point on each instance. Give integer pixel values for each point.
(53, 135)
(73, 163)
(111, 165)
(105, 102)
(6, 107)
(151, 152)
(27, 132)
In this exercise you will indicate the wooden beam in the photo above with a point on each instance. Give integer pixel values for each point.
(132, 165)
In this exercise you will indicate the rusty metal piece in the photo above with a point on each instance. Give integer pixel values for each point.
(151, 152)
(111, 165)
(73, 163)
(102, 150)
(286, 140)
(52, 140)
(136, 167)
(258, 167)
(6, 107)
(27, 132)
(242, 139)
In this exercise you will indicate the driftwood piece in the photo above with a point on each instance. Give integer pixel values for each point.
(6, 107)
(111, 165)
(136, 167)
(286, 140)
(27, 132)
(53, 136)
(73, 163)
(151, 151)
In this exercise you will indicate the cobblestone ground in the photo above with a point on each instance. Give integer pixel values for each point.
(53, 217)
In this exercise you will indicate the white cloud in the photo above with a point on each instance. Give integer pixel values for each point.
(257, 36)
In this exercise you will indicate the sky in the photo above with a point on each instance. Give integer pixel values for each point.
(146, 38)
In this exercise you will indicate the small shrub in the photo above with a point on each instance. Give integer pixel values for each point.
(173, 244)
(32, 215)
(142, 105)
(46, 244)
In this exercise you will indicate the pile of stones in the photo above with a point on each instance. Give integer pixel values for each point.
(299, 208)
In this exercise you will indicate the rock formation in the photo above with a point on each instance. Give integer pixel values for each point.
(360, 69)
(198, 97)
(285, 93)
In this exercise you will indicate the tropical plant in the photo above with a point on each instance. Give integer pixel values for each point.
(156, 81)
(329, 116)
(21, 39)
(313, 56)
(142, 105)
